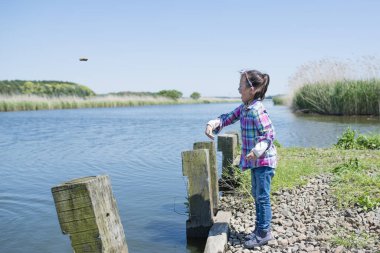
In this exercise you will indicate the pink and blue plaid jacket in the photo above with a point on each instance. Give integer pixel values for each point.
(256, 127)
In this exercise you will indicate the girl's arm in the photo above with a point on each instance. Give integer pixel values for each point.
(222, 121)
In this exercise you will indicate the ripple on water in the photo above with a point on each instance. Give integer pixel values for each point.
(14, 207)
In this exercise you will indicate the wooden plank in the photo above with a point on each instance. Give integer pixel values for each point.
(196, 166)
(76, 214)
(214, 186)
(227, 143)
(90, 247)
(73, 184)
(84, 237)
(73, 192)
(77, 226)
(68, 205)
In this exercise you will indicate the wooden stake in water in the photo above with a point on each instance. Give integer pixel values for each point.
(87, 211)
(214, 186)
(196, 166)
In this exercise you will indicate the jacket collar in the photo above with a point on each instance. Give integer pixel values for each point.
(250, 105)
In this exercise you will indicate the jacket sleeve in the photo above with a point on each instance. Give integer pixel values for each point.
(228, 119)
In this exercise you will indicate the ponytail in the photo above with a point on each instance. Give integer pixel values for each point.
(260, 82)
(265, 86)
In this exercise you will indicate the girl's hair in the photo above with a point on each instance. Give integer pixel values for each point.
(259, 81)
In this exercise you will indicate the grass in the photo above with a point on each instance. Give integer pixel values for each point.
(351, 239)
(350, 139)
(357, 183)
(31, 103)
(345, 97)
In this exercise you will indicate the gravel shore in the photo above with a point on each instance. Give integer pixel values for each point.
(306, 219)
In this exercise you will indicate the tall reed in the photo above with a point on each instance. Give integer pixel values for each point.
(31, 102)
(328, 86)
(348, 97)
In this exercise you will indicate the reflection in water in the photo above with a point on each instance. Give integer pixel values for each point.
(310, 130)
(370, 120)
(196, 245)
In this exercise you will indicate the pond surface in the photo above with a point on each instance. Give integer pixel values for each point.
(139, 148)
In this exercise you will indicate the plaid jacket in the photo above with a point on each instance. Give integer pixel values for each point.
(256, 127)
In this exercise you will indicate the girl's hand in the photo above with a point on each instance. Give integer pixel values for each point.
(208, 132)
(250, 156)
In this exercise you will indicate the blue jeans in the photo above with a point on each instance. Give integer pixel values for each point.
(261, 178)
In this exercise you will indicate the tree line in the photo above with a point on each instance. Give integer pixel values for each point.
(60, 88)
(44, 88)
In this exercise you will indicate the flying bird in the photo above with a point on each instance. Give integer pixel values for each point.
(83, 59)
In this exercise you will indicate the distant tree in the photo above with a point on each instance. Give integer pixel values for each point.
(173, 94)
(195, 95)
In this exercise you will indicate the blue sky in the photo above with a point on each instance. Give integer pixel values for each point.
(190, 46)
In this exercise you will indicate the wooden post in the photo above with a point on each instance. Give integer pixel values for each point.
(196, 166)
(237, 137)
(213, 172)
(227, 143)
(87, 211)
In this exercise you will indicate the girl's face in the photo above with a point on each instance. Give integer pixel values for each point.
(247, 92)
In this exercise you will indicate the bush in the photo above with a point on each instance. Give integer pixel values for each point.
(173, 94)
(279, 100)
(351, 140)
(195, 95)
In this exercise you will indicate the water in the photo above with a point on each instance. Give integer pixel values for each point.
(139, 148)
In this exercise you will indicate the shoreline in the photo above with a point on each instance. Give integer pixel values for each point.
(34, 103)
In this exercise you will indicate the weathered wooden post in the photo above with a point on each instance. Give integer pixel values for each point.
(196, 166)
(228, 144)
(87, 211)
(237, 137)
(213, 172)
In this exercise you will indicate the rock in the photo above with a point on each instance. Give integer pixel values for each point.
(295, 248)
(292, 240)
(283, 242)
(279, 229)
(286, 212)
(339, 249)
(272, 243)
(302, 237)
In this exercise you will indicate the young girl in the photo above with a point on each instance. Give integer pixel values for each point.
(258, 152)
